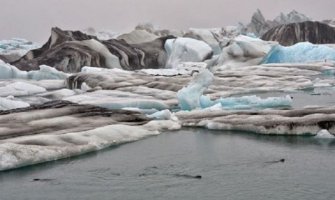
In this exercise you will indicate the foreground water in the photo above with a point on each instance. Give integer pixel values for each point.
(169, 166)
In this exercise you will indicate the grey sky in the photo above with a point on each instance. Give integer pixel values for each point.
(32, 19)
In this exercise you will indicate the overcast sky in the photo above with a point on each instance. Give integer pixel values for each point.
(32, 19)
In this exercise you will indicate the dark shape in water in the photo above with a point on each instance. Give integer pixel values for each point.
(42, 179)
(188, 176)
(276, 161)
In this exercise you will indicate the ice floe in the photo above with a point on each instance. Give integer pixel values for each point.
(30, 150)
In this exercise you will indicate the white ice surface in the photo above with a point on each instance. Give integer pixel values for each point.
(21, 151)
(10, 103)
(20, 89)
(11, 72)
(186, 50)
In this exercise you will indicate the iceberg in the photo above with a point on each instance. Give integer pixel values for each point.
(244, 51)
(303, 52)
(186, 50)
(189, 96)
(45, 72)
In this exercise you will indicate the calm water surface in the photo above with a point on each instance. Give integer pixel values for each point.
(232, 166)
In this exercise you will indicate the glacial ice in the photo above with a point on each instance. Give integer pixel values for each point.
(184, 68)
(247, 102)
(117, 100)
(9, 103)
(21, 151)
(208, 36)
(137, 36)
(307, 121)
(186, 50)
(20, 89)
(303, 52)
(189, 96)
(163, 115)
(15, 48)
(11, 72)
(47, 73)
(209, 101)
(244, 51)
(324, 134)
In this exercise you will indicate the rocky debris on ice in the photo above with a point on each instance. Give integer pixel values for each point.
(308, 121)
(308, 31)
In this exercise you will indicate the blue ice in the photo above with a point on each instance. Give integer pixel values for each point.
(191, 97)
(300, 53)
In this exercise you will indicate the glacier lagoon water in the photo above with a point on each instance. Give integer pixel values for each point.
(231, 165)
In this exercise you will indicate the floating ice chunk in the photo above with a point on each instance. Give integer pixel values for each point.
(15, 48)
(247, 102)
(88, 69)
(118, 100)
(46, 72)
(184, 68)
(19, 152)
(10, 103)
(163, 115)
(58, 94)
(324, 134)
(207, 35)
(186, 50)
(20, 89)
(163, 125)
(244, 51)
(189, 96)
(9, 72)
(300, 53)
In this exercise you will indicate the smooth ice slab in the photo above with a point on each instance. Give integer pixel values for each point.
(30, 150)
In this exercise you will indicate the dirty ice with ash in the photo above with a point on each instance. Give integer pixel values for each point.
(86, 90)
